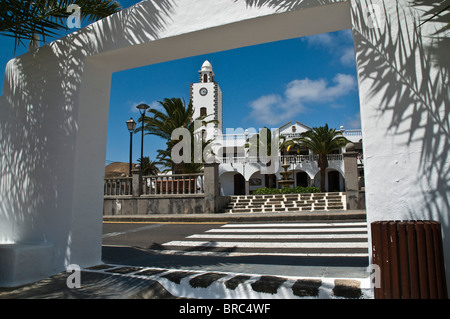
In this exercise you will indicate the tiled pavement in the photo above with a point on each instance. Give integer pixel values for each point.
(219, 285)
(108, 281)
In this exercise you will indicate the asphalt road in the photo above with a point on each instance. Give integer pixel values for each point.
(150, 235)
(145, 244)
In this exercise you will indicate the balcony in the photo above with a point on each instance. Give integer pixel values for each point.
(291, 159)
(240, 138)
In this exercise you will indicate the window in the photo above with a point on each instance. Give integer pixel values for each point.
(205, 78)
(203, 111)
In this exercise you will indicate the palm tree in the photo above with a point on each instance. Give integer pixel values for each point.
(162, 123)
(322, 141)
(148, 167)
(26, 19)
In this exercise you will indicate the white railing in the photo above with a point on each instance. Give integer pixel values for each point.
(289, 159)
(243, 136)
(117, 186)
(173, 184)
(352, 133)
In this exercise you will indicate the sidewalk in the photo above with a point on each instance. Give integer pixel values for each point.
(110, 281)
(241, 217)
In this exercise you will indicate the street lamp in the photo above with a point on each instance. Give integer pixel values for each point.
(131, 125)
(142, 108)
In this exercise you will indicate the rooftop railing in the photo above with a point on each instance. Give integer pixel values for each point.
(243, 136)
(265, 159)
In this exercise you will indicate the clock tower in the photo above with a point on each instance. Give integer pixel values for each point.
(206, 98)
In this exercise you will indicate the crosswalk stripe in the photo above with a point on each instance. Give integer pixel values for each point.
(301, 225)
(236, 253)
(296, 236)
(285, 230)
(218, 244)
(309, 238)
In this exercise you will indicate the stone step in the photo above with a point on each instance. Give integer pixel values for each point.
(280, 209)
(285, 203)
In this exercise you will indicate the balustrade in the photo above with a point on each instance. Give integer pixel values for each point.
(156, 185)
(173, 184)
(266, 159)
(118, 186)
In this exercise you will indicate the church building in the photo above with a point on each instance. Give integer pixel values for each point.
(206, 98)
(240, 173)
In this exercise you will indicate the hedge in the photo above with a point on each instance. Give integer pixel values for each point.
(286, 190)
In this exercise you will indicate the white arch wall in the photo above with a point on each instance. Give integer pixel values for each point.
(54, 109)
(226, 181)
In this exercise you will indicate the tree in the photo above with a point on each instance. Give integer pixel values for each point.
(148, 167)
(24, 19)
(322, 141)
(175, 114)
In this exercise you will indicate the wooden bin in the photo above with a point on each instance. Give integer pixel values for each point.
(411, 260)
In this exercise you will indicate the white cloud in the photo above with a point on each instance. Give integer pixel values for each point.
(323, 39)
(354, 122)
(274, 109)
(318, 90)
(348, 57)
(339, 44)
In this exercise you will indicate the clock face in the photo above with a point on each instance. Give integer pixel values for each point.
(203, 91)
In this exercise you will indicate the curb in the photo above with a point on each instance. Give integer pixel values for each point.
(242, 217)
(220, 285)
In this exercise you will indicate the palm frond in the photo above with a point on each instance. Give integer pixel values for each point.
(22, 19)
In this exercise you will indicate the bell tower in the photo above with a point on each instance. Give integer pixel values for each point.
(206, 98)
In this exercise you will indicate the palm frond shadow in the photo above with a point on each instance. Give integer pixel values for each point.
(406, 66)
(36, 133)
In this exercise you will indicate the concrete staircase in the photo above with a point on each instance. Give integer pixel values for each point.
(285, 203)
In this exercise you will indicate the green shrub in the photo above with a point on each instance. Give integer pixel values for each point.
(266, 191)
(308, 189)
(286, 190)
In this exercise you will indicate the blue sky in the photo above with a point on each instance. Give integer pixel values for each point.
(311, 80)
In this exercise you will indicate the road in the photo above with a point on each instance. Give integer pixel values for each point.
(220, 261)
(289, 249)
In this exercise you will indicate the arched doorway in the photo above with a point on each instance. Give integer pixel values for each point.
(302, 179)
(232, 183)
(239, 184)
(334, 181)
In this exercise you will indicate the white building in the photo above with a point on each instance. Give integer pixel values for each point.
(241, 172)
(206, 97)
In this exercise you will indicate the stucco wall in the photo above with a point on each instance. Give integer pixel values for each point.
(403, 87)
(157, 205)
(55, 102)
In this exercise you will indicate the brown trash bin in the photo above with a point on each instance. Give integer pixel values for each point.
(410, 258)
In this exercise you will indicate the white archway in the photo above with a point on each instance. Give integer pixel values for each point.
(232, 183)
(332, 183)
(55, 103)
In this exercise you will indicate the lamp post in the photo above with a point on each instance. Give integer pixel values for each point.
(131, 125)
(142, 108)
